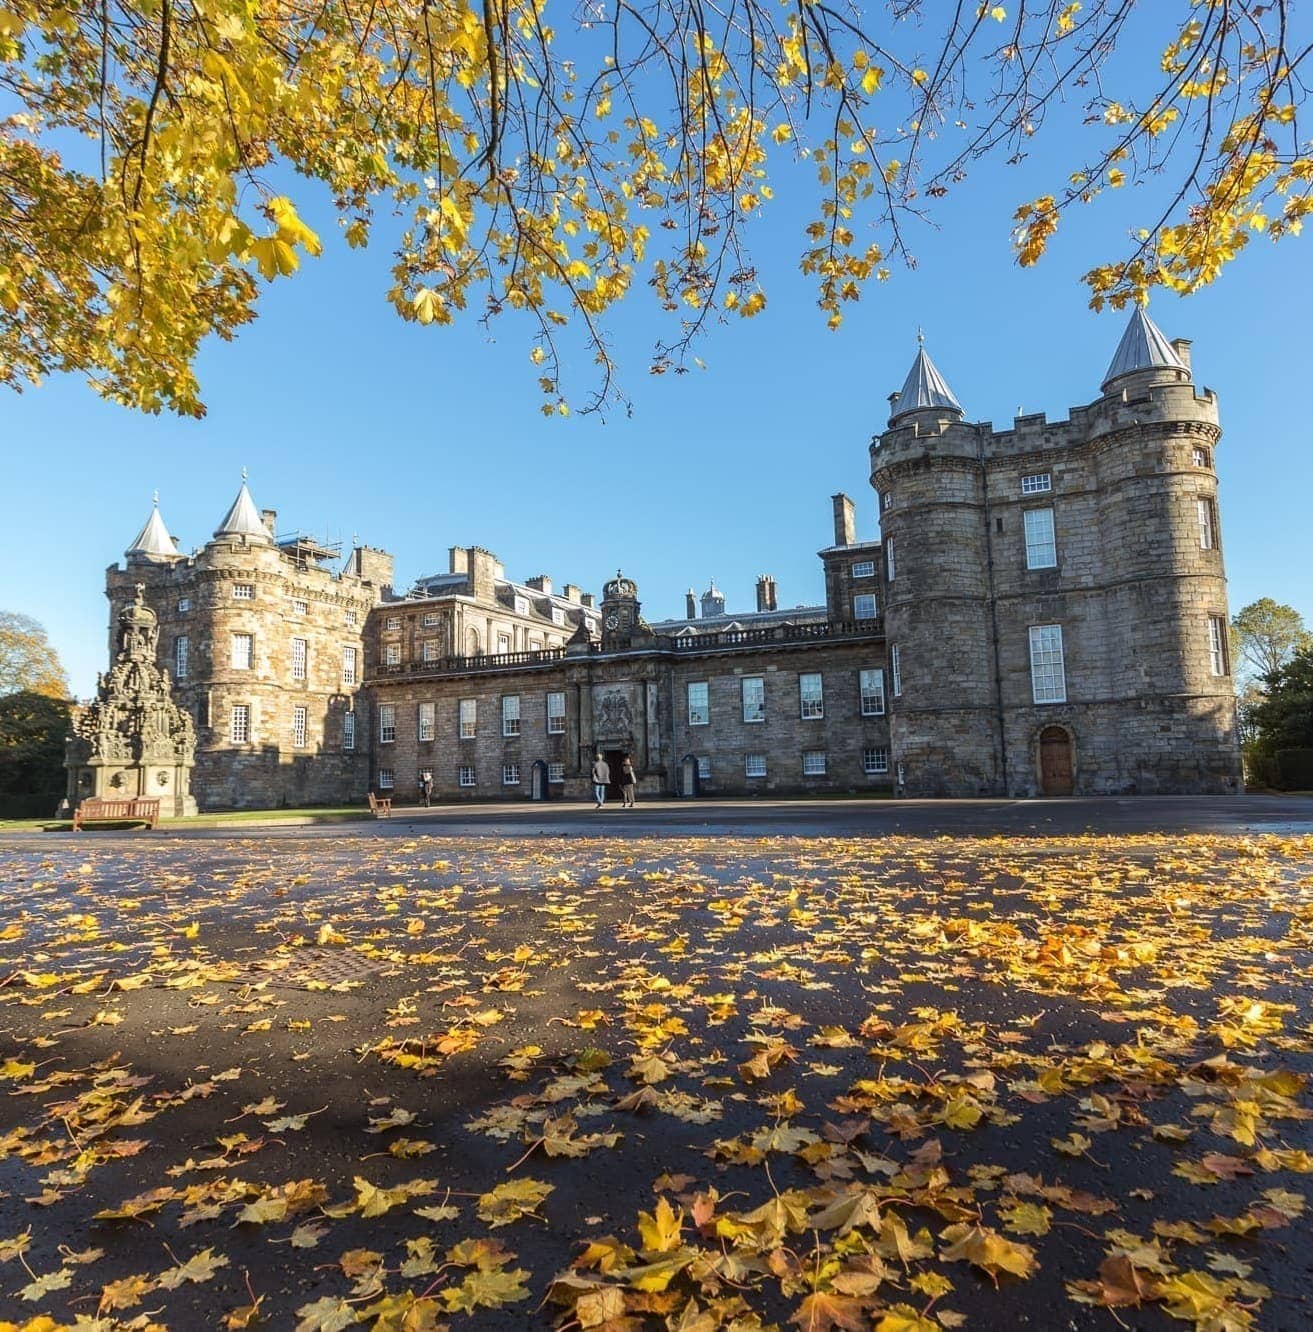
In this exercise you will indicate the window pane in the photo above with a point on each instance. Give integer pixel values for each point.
(469, 716)
(864, 607)
(811, 695)
(387, 723)
(813, 763)
(1047, 671)
(428, 717)
(754, 698)
(1041, 548)
(699, 710)
(349, 731)
(872, 691)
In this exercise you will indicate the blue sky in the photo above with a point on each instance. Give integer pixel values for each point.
(421, 438)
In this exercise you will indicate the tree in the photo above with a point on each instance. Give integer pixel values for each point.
(32, 730)
(147, 178)
(1266, 635)
(1285, 723)
(27, 661)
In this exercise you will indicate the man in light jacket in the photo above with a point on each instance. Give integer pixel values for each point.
(601, 779)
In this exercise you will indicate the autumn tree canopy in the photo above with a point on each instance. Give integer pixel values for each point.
(28, 662)
(155, 156)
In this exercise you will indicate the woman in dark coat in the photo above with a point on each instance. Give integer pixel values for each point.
(627, 782)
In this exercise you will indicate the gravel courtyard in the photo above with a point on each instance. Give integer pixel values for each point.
(656, 1081)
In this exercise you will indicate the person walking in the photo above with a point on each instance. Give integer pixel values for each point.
(627, 782)
(601, 779)
(426, 787)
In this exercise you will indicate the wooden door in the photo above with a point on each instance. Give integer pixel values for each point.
(1055, 765)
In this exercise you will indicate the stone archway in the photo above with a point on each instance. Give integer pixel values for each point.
(1057, 761)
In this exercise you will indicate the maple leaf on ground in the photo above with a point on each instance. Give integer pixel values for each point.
(512, 1200)
(486, 1289)
(39, 1287)
(903, 1318)
(661, 1228)
(987, 1250)
(124, 1293)
(329, 1314)
(199, 1267)
(822, 1311)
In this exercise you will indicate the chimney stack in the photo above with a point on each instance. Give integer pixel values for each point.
(269, 517)
(845, 524)
(690, 605)
(766, 599)
(1181, 346)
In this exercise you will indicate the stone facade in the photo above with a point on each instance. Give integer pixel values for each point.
(1044, 612)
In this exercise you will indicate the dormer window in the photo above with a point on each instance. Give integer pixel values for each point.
(521, 605)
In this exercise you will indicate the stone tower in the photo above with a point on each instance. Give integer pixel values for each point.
(929, 470)
(1056, 602)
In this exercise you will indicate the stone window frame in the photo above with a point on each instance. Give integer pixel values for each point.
(391, 654)
(467, 719)
(863, 569)
(300, 725)
(811, 708)
(349, 663)
(387, 779)
(349, 730)
(699, 714)
(503, 644)
(555, 713)
(249, 654)
(875, 760)
(1206, 515)
(510, 774)
(1201, 457)
(392, 623)
(465, 775)
(521, 605)
(813, 763)
(300, 658)
(1041, 548)
(865, 601)
(387, 723)
(351, 619)
(184, 605)
(555, 773)
(1037, 483)
(181, 652)
(874, 694)
(1048, 665)
(426, 721)
(510, 716)
(430, 649)
(431, 618)
(1219, 652)
(243, 591)
(300, 606)
(754, 766)
(753, 714)
(239, 724)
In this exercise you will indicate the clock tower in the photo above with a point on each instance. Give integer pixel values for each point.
(621, 618)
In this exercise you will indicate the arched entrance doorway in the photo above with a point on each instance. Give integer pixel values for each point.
(1056, 762)
(538, 781)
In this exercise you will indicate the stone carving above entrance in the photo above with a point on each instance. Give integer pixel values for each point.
(614, 714)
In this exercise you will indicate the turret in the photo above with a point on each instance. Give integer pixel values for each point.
(928, 467)
(153, 542)
(243, 522)
(713, 601)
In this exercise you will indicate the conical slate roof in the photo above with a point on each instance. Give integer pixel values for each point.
(154, 538)
(243, 519)
(924, 387)
(1143, 347)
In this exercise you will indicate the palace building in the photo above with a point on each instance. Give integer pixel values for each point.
(1043, 613)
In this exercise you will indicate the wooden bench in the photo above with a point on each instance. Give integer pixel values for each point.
(107, 809)
(380, 806)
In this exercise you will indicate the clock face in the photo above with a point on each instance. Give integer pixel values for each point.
(612, 621)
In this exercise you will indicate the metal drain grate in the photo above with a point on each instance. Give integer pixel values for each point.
(323, 966)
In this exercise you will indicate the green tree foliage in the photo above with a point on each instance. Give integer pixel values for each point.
(27, 660)
(32, 731)
(1266, 634)
(1285, 717)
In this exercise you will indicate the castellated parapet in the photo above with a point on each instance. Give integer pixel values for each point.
(1076, 649)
